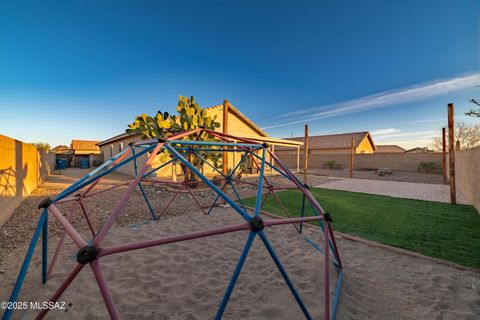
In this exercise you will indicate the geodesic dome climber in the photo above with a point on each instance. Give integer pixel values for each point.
(91, 252)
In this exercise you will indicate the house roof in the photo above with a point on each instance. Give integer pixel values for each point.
(389, 148)
(85, 146)
(241, 116)
(419, 150)
(61, 149)
(231, 109)
(337, 141)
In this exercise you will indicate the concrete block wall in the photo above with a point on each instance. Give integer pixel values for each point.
(22, 169)
(467, 174)
(394, 161)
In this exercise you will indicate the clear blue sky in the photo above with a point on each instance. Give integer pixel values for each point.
(84, 69)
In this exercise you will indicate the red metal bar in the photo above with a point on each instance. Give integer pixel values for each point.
(76, 237)
(175, 194)
(326, 277)
(90, 187)
(71, 219)
(172, 137)
(309, 196)
(274, 222)
(80, 202)
(106, 189)
(226, 135)
(60, 290)
(104, 251)
(121, 204)
(194, 198)
(102, 285)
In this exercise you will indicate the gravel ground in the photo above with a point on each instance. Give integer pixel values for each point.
(16, 233)
(402, 176)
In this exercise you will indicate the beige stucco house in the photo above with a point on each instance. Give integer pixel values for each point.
(232, 121)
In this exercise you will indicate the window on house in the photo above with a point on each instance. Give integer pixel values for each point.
(111, 150)
(120, 147)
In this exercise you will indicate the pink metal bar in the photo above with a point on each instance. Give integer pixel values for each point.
(172, 137)
(104, 251)
(90, 187)
(62, 288)
(84, 211)
(175, 194)
(245, 182)
(326, 277)
(120, 206)
(274, 222)
(107, 189)
(309, 196)
(102, 285)
(69, 199)
(195, 198)
(222, 136)
(284, 209)
(76, 237)
(70, 218)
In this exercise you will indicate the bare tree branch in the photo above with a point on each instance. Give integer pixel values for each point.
(473, 112)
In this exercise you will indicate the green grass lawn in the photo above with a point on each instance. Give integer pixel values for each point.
(435, 229)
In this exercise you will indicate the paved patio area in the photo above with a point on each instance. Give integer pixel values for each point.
(409, 190)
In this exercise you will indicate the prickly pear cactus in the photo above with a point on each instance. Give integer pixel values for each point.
(191, 116)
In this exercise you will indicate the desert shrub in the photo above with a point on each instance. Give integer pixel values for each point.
(426, 167)
(332, 164)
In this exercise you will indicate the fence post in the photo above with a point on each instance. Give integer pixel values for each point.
(352, 155)
(305, 158)
(444, 156)
(451, 151)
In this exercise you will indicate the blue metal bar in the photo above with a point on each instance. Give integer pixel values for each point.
(319, 249)
(314, 210)
(228, 180)
(236, 273)
(152, 211)
(93, 172)
(241, 211)
(45, 248)
(26, 263)
(260, 185)
(207, 162)
(315, 245)
(273, 167)
(78, 186)
(216, 199)
(284, 275)
(336, 298)
(237, 195)
(159, 167)
(302, 213)
(215, 143)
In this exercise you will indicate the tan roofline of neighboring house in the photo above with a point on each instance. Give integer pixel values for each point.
(242, 116)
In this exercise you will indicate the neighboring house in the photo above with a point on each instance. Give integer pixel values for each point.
(85, 149)
(389, 148)
(419, 150)
(236, 124)
(339, 143)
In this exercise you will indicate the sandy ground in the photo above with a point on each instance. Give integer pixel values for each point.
(187, 280)
(16, 233)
